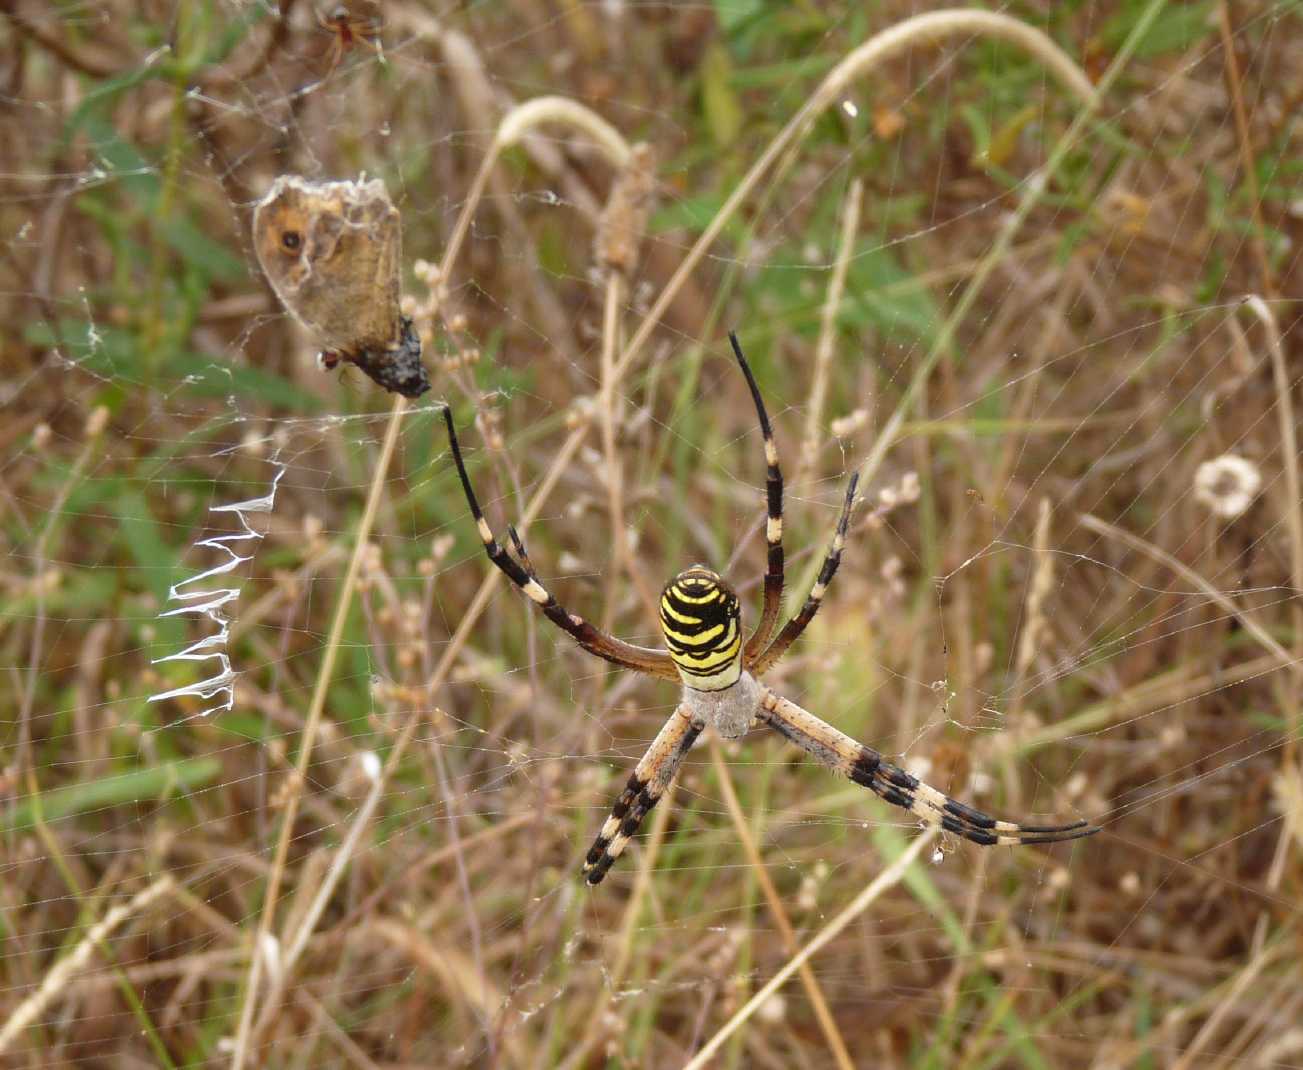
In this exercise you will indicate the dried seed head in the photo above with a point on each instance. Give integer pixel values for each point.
(849, 424)
(97, 421)
(254, 443)
(1227, 485)
(773, 1010)
(624, 220)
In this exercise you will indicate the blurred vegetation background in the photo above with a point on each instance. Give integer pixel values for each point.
(1075, 616)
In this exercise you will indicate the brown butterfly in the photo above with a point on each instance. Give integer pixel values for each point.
(331, 251)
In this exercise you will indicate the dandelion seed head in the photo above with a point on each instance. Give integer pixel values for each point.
(1227, 485)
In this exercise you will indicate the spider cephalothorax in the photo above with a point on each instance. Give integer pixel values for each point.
(701, 620)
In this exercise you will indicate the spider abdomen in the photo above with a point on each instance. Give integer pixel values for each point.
(702, 623)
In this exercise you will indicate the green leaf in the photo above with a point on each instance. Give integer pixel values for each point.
(212, 377)
(881, 293)
(719, 103)
(155, 560)
(141, 785)
(735, 13)
(687, 213)
(1174, 30)
(108, 91)
(114, 353)
(201, 253)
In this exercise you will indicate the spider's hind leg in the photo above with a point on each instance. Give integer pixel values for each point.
(933, 807)
(866, 767)
(649, 781)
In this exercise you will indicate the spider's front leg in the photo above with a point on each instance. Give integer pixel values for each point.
(865, 766)
(773, 603)
(522, 574)
(649, 781)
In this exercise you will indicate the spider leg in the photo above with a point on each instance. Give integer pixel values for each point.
(334, 56)
(594, 640)
(650, 778)
(793, 628)
(774, 520)
(867, 767)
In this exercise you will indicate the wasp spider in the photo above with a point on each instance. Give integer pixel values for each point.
(701, 621)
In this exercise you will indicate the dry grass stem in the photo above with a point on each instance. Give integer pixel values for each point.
(1162, 692)
(828, 334)
(64, 970)
(822, 1013)
(1219, 597)
(889, 878)
(1035, 621)
(1248, 170)
(1032, 193)
(1234, 992)
(307, 925)
(325, 676)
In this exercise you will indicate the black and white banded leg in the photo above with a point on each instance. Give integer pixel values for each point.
(867, 767)
(626, 655)
(773, 602)
(650, 779)
(793, 628)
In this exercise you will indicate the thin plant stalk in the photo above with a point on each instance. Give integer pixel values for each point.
(1289, 451)
(1248, 171)
(1294, 523)
(1247, 621)
(56, 981)
(1234, 991)
(325, 676)
(614, 470)
(343, 855)
(808, 980)
(94, 431)
(827, 343)
(888, 878)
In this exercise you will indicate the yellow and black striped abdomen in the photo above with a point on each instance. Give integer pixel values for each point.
(702, 623)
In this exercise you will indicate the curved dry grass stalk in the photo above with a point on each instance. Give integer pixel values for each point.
(1033, 190)
(515, 125)
(1294, 522)
(1289, 449)
(921, 29)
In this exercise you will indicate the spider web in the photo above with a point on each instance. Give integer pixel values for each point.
(1069, 590)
